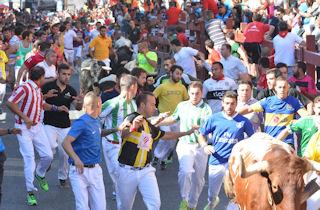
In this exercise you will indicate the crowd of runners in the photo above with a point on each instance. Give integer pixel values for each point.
(145, 109)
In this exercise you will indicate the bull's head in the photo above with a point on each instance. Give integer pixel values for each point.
(284, 173)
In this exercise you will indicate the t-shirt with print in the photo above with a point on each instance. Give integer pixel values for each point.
(279, 113)
(226, 132)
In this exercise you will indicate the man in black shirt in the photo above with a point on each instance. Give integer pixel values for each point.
(56, 121)
(134, 36)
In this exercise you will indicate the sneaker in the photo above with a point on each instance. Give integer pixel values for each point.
(114, 195)
(31, 199)
(163, 165)
(154, 162)
(191, 208)
(183, 205)
(43, 183)
(212, 205)
(64, 183)
(169, 161)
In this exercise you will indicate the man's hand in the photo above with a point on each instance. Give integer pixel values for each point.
(78, 99)
(15, 131)
(137, 122)
(63, 108)
(194, 128)
(28, 122)
(124, 125)
(51, 93)
(150, 81)
(79, 165)
(208, 149)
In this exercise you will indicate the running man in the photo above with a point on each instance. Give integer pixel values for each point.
(227, 128)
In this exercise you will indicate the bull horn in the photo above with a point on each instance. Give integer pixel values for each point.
(86, 68)
(252, 169)
(309, 190)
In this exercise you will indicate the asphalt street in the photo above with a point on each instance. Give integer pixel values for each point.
(14, 191)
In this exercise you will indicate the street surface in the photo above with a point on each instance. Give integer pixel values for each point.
(14, 191)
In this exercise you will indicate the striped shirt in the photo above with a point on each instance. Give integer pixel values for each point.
(28, 96)
(197, 115)
(214, 29)
(114, 111)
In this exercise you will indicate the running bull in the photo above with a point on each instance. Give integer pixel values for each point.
(92, 71)
(265, 174)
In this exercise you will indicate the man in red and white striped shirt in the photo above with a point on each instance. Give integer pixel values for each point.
(27, 103)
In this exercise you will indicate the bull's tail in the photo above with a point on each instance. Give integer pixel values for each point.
(229, 186)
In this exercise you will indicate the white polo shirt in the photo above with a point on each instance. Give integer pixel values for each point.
(50, 71)
(233, 67)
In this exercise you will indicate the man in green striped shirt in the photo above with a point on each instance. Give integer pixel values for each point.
(192, 159)
(113, 113)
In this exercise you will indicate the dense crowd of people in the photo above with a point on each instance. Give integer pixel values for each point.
(197, 103)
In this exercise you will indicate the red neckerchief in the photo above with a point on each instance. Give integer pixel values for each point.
(283, 34)
(220, 78)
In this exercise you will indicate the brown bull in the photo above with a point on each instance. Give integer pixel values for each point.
(265, 174)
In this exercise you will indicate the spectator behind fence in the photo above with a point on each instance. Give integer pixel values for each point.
(304, 82)
(284, 44)
(254, 35)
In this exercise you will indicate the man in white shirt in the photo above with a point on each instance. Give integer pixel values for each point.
(95, 32)
(184, 57)
(233, 66)
(284, 45)
(244, 99)
(48, 64)
(69, 37)
(215, 87)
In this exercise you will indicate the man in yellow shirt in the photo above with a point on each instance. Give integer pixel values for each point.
(169, 95)
(100, 47)
(3, 77)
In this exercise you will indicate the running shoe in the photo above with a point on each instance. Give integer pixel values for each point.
(31, 199)
(183, 205)
(43, 183)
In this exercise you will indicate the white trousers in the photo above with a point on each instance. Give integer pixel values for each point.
(88, 188)
(216, 174)
(69, 54)
(56, 136)
(164, 147)
(129, 181)
(192, 168)
(110, 153)
(77, 52)
(29, 139)
(2, 92)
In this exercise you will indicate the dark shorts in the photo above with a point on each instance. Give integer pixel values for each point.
(253, 51)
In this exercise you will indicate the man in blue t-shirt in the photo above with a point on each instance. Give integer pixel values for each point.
(2, 152)
(227, 128)
(83, 145)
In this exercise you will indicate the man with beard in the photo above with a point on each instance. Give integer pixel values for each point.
(303, 81)
(215, 87)
(57, 123)
(169, 95)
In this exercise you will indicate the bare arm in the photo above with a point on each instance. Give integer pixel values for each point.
(176, 135)
(245, 110)
(167, 121)
(69, 150)
(283, 134)
(20, 73)
(106, 132)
